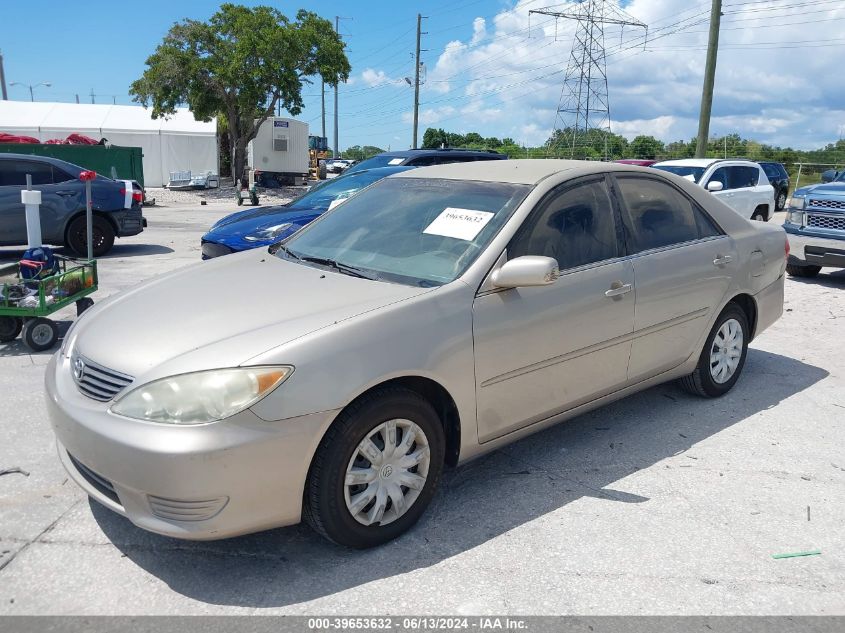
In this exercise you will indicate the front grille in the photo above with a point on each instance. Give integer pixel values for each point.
(836, 222)
(178, 510)
(213, 249)
(96, 381)
(100, 483)
(828, 204)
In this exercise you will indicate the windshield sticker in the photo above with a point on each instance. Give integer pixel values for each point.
(395, 161)
(462, 224)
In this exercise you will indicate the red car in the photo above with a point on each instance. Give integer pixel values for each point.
(636, 161)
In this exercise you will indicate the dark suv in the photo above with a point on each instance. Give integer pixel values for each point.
(779, 179)
(426, 157)
(116, 204)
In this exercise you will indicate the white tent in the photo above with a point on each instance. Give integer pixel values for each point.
(178, 143)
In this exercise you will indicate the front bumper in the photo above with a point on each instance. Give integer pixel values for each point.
(808, 247)
(200, 482)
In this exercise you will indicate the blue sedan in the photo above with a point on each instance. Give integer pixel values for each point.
(253, 228)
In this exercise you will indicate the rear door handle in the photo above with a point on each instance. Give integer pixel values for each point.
(722, 259)
(66, 193)
(617, 288)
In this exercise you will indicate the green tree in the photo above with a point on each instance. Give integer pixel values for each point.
(434, 138)
(357, 152)
(239, 65)
(645, 147)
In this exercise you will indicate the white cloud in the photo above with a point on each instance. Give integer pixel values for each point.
(501, 79)
(373, 78)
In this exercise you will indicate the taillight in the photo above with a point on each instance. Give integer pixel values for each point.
(786, 248)
(137, 196)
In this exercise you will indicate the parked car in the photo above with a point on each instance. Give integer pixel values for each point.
(263, 226)
(642, 162)
(116, 204)
(779, 179)
(741, 184)
(427, 157)
(815, 225)
(439, 314)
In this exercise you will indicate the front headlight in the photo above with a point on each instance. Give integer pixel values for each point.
(796, 202)
(795, 217)
(271, 232)
(201, 397)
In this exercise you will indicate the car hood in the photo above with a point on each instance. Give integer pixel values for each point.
(258, 219)
(221, 313)
(829, 188)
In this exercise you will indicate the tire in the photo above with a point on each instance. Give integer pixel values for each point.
(328, 498)
(321, 172)
(102, 234)
(780, 201)
(706, 381)
(40, 334)
(10, 327)
(797, 270)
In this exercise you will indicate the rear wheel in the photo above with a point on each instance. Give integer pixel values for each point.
(10, 327)
(102, 235)
(723, 356)
(376, 469)
(796, 270)
(40, 334)
(780, 202)
(760, 214)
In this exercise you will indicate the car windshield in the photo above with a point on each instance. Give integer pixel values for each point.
(380, 160)
(336, 189)
(840, 177)
(415, 231)
(683, 170)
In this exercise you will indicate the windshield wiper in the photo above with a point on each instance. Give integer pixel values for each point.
(279, 246)
(341, 268)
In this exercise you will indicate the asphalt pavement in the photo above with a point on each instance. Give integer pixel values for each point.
(661, 503)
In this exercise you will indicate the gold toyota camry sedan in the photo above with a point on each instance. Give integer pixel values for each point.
(436, 315)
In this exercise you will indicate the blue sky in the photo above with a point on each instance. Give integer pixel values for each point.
(487, 71)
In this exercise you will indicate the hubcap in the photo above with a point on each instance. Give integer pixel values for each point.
(42, 333)
(726, 351)
(387, 472)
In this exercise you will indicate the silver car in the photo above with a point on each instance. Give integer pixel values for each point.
(437, 315)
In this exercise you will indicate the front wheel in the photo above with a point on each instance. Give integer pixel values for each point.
(376, 469)
(723, 356)
(102, 236)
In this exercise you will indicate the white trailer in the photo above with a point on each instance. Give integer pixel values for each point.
(279, 153)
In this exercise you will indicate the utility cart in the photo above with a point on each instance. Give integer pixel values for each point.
(35, 288)
(25, 304)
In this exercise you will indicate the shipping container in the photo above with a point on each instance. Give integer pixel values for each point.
(279, 152)
(126, 161)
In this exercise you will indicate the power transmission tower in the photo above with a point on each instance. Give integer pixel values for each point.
(584, 102)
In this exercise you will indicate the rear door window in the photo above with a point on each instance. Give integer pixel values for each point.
(741, 177)
(655, 215)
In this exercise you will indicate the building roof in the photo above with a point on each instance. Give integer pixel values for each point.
(58, 118)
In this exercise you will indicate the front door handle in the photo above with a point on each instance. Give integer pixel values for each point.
(722, 259)
(66, 193)
(617, 288)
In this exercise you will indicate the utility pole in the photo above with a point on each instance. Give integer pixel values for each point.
(92, 95)
(709, 78)
(336, 86)
(417, 81)
(77, 98)
(323, 103)
(3, 80)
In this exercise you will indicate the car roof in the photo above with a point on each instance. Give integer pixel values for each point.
(525, 171)
(689, 162)
(445, 151)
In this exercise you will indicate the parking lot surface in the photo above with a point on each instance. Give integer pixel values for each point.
(661, 503)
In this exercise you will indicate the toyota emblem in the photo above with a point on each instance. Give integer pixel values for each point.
(78, 368)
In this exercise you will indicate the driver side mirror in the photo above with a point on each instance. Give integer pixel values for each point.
(528, 270)
(715, 185)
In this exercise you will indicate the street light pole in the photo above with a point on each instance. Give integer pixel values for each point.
(31, 87)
